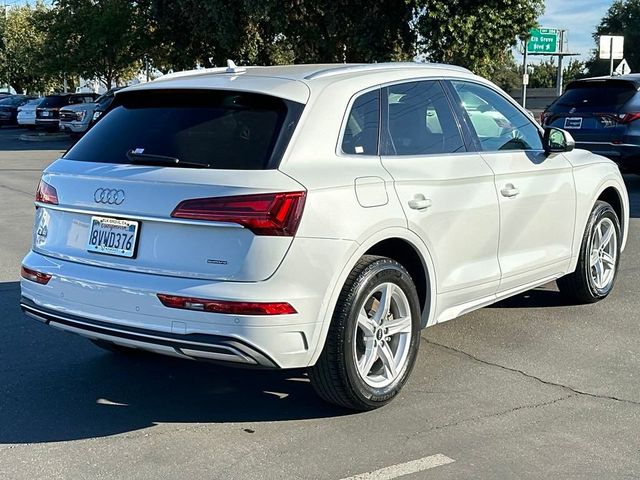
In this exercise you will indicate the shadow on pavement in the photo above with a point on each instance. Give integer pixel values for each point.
(540, 297)
(56, 386)
(10, 141)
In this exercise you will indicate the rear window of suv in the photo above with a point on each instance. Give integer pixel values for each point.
(208, 129)
(54, 101)
(600, 93)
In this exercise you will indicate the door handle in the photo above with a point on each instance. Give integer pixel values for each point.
(509, 191)
(419, 202)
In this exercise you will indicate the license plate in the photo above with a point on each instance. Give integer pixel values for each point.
(573, 122)
(45, 114)
(113, 236)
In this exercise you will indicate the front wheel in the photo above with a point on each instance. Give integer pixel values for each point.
(373, 339)
(597, 266)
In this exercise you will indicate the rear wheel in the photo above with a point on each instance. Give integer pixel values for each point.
(597, 266)
(373, 339)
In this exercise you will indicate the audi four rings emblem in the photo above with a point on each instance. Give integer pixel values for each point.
(110, 196)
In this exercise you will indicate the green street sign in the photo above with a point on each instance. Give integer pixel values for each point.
(544, 41)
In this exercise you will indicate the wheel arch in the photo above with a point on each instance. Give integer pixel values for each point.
(406, 254)
(613, 197)
(408, 246)
(612, 191)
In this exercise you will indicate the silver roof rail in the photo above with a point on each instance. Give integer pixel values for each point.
(230, 68)
(372, 67)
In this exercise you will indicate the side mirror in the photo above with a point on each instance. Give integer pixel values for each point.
(557, 140)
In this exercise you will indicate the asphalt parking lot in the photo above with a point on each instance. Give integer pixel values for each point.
(528, 388)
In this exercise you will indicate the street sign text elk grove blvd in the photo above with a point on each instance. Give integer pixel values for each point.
(544, 40)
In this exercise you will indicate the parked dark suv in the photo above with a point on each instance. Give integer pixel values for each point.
(48, 113)
(603, 116)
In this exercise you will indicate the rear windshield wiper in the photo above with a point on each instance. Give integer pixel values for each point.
(161, 160)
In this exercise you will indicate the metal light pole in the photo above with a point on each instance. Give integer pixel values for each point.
(525, 73)
(559, 76)
(611, 58)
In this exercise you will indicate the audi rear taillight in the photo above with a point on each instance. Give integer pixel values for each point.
(275, 214)
(34, 276)
(46, 193)
(226, 307)
(629, 117)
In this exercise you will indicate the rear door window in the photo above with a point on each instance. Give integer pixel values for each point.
(362, 129)
(210, 129)
(418, 120)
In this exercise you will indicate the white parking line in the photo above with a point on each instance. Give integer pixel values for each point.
(401, 469)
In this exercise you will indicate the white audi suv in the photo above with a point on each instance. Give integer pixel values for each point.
(314, 216)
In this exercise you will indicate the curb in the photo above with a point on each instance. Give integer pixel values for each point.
(43, 137)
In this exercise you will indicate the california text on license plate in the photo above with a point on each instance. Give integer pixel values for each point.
(113, 236)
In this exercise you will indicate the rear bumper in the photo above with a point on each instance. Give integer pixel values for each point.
(47, 122)
(74, 127)
(196, 346)
(123, 307)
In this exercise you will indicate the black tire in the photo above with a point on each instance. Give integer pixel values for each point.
(115, 348)
(335, 376)
(579, 287)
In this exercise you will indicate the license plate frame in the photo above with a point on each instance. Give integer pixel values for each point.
(106, 240)
(574, 123)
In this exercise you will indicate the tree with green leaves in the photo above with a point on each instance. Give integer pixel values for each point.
(621, 19)
(96, 39)
(347, 30)
(544, 74)
(21, 45)
(507, 74)
(476, 35)
(188, 32)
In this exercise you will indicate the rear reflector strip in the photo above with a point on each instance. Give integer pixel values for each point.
(226, 307)
(32, 275)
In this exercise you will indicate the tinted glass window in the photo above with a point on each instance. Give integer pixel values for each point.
(419, 121)
(54, 101)
(361, 132)
(215, 129)
(498, 124)
(14, 101)
(584, 96)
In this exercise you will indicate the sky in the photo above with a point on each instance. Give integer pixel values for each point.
(579, 18)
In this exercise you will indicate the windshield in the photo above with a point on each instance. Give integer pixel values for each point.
(213, 129)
